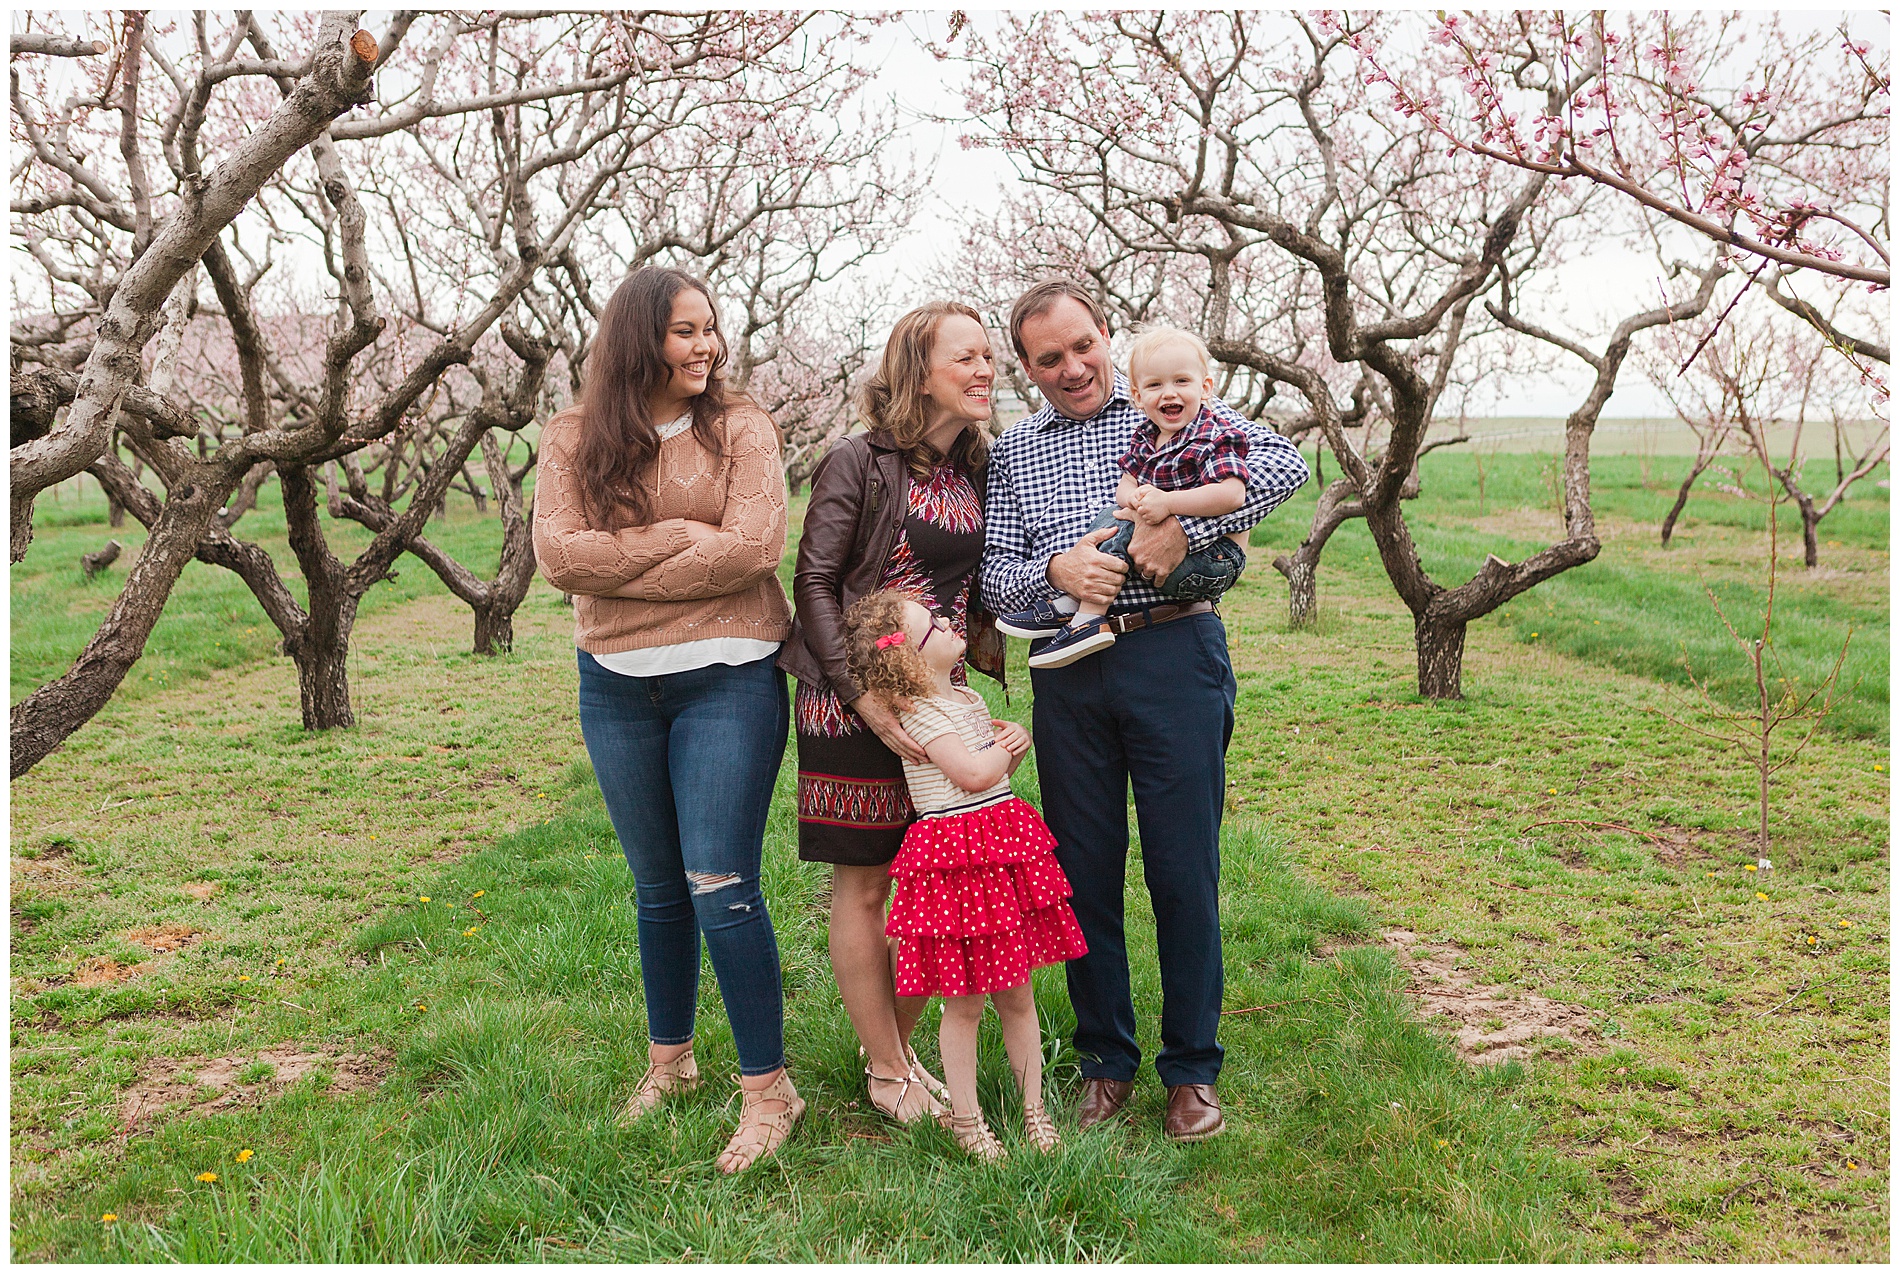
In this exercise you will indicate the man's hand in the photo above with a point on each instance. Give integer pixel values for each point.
(1150, 504)
(1091, 576)
(1157, 549)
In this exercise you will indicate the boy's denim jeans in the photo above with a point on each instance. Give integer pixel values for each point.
(686, 762)
(1203, 574)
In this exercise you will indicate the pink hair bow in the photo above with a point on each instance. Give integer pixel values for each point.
(890, 639)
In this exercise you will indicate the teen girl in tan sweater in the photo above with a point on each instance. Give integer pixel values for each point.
(660, 504)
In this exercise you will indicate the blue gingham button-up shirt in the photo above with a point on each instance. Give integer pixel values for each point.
(1050, 476)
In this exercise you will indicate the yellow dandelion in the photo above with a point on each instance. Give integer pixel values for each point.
(244, 1156)
(1750, 867)
(1552, 791)
(1852, 1166)
(480, 892)
(372, 838)
(207, 1176)
(1880, 769)
(1443, 1144)
(280, 960)
(1847, 924)
(1711, 875)
(1759, 894)
(469, 932)
(1533, 634)
(244, 977)
(109, 1218)
(422, 897)
(448, 904)
(421, 1007)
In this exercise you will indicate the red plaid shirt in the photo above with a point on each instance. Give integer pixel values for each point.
(1201, 454)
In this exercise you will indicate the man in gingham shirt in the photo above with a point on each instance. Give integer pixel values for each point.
(1156, 708)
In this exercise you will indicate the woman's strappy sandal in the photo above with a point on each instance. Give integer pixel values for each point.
(924, 1103)
(681, 1075)
(976, 1138)
(1039, 1128)
(932, 1085)
(765, 1121)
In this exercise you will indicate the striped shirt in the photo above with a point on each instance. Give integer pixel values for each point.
(1050, 476)
(931, 790)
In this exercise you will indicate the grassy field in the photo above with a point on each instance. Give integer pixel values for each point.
(396, 964)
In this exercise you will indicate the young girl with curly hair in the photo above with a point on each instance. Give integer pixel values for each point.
(980, 900)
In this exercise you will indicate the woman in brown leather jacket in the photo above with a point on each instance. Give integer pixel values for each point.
(899, 506)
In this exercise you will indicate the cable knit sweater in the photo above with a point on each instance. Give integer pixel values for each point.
(647, 586)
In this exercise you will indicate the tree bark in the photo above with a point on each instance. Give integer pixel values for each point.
(44, 719)
(494, 629)
(321, 652)
(1682, 500)
(494, 602)
(1441, 655)
(1302, 586)
(1301, 568)
(320, 645)
(94, 562)
(516, 570)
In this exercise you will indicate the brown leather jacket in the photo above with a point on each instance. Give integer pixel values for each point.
(860, 495)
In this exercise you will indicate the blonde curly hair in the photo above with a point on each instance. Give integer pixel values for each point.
(896, 673)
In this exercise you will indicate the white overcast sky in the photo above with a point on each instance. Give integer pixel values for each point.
(1594, 292)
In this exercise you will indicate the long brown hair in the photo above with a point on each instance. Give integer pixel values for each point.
(619, 441)
(893, 398)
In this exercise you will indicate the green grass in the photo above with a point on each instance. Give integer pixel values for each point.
(1734, 1074)
(1640, 608)
(210, 621)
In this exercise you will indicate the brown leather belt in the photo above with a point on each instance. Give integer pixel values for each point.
(1155, 616)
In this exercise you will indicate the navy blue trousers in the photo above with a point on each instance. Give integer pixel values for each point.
(1156, 709)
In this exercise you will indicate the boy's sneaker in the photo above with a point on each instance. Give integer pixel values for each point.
(1078, 642)
(1040, 620)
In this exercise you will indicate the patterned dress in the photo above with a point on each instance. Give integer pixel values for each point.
(852, 803)
(980, 898)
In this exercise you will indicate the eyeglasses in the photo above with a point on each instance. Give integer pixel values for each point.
(938, 624)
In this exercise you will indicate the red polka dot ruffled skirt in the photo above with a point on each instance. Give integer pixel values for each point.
(980, 901)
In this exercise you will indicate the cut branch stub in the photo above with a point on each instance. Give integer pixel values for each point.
(53, 45)
(96, 561)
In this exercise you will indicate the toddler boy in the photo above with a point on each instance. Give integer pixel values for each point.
(1184, 462)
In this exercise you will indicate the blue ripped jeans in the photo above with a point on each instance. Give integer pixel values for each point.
(1202, 576)
(686, 762)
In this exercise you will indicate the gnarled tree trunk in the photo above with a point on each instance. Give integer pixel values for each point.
(1337, 505)
(321, 651)
(42, 720)
(1441, 655)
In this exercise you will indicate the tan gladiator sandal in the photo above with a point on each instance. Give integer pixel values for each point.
(1039, 1128)
(925, 1104)
(681, 1075)
(765, 1121)
(976, 1138)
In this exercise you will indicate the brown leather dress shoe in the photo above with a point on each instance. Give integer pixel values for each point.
(1193, 1113)
(1101, 1099)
